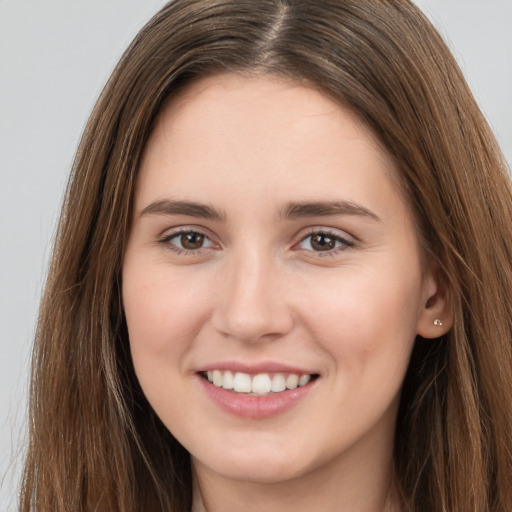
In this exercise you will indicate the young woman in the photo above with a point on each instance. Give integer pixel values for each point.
(282, 278)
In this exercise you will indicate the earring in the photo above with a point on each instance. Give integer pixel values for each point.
(437, 321)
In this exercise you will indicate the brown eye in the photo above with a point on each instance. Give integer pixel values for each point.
(325, 242)
(184, 241)
(322, 242)
(191, 241)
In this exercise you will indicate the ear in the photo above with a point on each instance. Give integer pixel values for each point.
(436, 313)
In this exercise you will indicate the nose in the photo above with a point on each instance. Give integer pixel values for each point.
(252, 303)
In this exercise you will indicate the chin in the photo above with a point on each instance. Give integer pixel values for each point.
(255, 466)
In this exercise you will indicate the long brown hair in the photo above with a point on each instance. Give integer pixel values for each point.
(95, 443)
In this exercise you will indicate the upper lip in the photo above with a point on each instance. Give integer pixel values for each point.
(255, 368)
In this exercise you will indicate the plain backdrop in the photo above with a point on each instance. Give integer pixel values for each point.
(55, 57)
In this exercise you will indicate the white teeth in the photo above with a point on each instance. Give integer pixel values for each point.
(304, 379)
(217, 378)
(242, 383)
(260, 384)
(278, 383)
(228, 380)
(292, 381)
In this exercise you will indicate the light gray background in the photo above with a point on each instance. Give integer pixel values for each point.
(54, 58)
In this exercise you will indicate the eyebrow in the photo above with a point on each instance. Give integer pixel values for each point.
(188, 208)
(292, 211)
(295, 211)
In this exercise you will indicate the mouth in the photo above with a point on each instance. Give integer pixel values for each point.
(260, 384)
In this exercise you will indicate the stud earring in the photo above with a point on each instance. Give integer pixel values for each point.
(437, 321)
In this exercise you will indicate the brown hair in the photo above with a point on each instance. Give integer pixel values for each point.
(95, 443)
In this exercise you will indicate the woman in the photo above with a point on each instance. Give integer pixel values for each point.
(282, 275)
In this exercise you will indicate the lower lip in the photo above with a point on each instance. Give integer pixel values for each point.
(256, 407)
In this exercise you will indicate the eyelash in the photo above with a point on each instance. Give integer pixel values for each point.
(166, 241)
(345, 244)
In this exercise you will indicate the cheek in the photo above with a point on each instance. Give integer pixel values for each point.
(365, 321)
(163, 317)
(162, 314)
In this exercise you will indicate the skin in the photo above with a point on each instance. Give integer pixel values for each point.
(259, 290)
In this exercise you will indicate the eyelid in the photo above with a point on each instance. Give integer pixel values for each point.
(336, 232)
(185, 228)
(347, 240)
(170, 233)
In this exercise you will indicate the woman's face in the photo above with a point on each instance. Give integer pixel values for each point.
(272, 250)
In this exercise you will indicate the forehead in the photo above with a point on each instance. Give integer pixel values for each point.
(255, 98)
(261, 135)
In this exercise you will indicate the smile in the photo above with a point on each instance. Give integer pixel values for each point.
(262, 384)
(258, 394)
